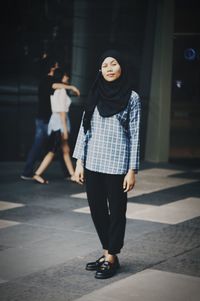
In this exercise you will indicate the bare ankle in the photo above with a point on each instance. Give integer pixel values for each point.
(105, 253)
(110, 258)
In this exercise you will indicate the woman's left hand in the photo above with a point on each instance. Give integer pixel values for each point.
(129, 181)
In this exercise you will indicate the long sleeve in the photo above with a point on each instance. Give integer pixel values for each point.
(134, 127)
(112, 144)
(79, 150)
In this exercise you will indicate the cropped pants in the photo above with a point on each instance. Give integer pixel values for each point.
(108, 204)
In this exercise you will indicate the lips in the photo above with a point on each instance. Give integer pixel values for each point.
(110, 74)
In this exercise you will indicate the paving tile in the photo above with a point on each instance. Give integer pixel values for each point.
(152, 180)
(7, 223)
(149, 285)
(172, 213)
(194, 223)
(70, 280)
(187, 263)
(44, 257)
(158, 246)
(52, 250)
(21, 292)
(28, 213)
(9, 205)
(24, 234)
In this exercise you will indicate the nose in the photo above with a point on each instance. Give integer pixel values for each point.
(109, 68)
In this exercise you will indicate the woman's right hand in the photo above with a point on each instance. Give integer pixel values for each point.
(75, 90)
(79, 173)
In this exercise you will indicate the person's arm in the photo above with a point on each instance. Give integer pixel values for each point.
(79, 154)
(134, 125)
(79, 172)
(129, 180)
(67, 87)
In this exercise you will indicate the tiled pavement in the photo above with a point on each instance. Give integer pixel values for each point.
(46, 237)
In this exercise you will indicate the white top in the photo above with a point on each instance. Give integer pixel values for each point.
(60, 102)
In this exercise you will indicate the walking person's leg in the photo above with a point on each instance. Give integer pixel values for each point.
(62, 164)
(67, 158)
(43, 166)
(36, 149)
(54, 142)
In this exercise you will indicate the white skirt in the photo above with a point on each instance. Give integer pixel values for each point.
(55, 123)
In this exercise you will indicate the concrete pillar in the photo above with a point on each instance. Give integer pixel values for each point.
(82, 48)
(146, 69)
(94, 29)
(158, 125)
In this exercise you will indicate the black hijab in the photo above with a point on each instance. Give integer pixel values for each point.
(109, 97)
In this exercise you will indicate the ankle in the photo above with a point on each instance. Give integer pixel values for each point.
(105, 253)
(110, 258)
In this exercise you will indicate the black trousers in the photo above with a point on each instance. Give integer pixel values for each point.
(108, 204)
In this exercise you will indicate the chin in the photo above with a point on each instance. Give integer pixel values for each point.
(108, 79)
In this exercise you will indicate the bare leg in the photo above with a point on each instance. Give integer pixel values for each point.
(43, 166)
(67, 158)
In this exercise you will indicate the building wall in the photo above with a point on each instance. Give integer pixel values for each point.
(77, 38)
(77, 32)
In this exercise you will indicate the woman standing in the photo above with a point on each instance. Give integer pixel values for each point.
(107, 153)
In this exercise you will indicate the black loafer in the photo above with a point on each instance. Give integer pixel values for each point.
(107, 269)
(94, 265)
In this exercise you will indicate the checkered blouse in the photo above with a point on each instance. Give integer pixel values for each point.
(112, 144)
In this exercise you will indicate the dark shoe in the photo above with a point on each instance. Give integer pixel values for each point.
(29, 178)
(93, 266)
(107, 269)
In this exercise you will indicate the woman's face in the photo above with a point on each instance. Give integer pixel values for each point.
(65, 79)
(110, 69)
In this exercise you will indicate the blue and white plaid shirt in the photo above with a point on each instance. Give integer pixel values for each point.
(112, 144)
